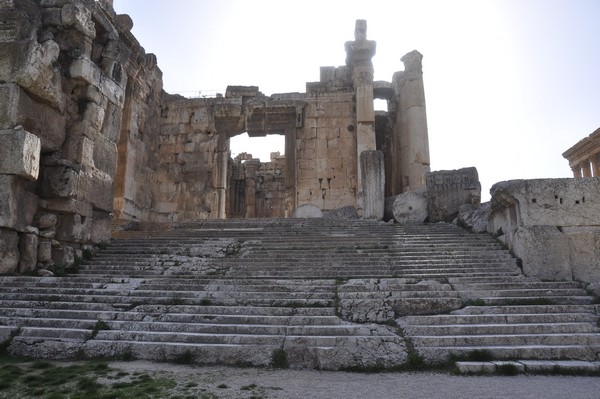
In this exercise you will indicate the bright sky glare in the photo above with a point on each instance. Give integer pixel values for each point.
(510, 84)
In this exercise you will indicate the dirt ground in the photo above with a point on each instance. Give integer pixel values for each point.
(227, 382)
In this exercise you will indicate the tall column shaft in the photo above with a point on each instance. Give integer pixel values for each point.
(586, 169)
(414, 136)
(358, 58)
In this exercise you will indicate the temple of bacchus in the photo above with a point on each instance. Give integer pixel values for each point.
(127, 229)
(92, 136)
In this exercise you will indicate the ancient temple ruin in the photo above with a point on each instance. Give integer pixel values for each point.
(584, 156)
(93, 137)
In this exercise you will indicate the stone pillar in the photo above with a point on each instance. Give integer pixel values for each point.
(414, 140)
(595, 165)
(576, 169)
(251, 167)
(373, 170)
(586, 168)
(222, 165)
(358, 58)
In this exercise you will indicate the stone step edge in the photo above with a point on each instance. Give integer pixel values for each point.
(509, 367)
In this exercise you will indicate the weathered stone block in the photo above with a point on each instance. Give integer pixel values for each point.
(68, 205)
(63, 255)
(94, 115)
(28, 247)
(44, 250)
(97, 188)
(449, 189)
(101, 227)
(474, 219)
(373, 175)
(79, 17)
(557, 202)
(38, 75)
(17, 206)
(585, 252)
(59, 181)
(308, 211)
(47, 221)
(410, 207)
(80, 150)
(9, 251)
(114, 92)
(19, 153)
(73, 228)
(17, 108)
(86, 70)
(544, 251)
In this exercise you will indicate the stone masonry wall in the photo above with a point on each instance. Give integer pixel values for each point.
(68, 69)
(553, 225)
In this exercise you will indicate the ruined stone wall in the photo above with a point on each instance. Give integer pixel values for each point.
(326, 146)
(68, 70)
(186, 187)
(553, 225)
(94, 137)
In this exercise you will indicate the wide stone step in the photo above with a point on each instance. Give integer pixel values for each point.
(212, 338)
(507, 340)
(495, 319)
(537, 352)
(541, 299)
(518, 284)
(336, 329)
(524, 292)
(53, 332)
(526, 309)
(504, 328)
(396, 295)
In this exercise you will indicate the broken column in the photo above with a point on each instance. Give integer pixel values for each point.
(373, 171)
(414, 142)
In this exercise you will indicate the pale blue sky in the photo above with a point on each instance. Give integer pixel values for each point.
(510, 84)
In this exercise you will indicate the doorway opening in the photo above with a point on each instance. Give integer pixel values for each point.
(258, 147)
(257, 177)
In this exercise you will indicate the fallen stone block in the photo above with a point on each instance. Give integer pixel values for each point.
(449, 189)
(410, 208)
(308, 211)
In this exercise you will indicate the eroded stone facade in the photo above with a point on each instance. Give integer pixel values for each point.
(90, 136)
(553, 225)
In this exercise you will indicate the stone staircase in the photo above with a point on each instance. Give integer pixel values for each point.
(313, 293)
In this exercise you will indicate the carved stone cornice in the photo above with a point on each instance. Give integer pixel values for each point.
(584, 149)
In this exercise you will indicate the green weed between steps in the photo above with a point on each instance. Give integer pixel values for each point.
(86, 380)
(96, 379)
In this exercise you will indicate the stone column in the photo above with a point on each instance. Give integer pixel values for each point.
(373, 170)
(358, 58)
(414, 139)
(595, 165)
(222, 155)
(576, 169)
(251, 167)
(586, 168)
